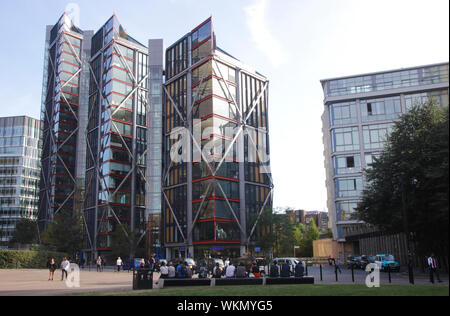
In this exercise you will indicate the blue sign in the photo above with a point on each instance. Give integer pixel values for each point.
(257, 250)
(216, 249)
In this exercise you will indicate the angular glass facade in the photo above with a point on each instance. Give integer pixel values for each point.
(63, 103)
(359, 115)
(116, 165)
(19, 173)
(213, 108)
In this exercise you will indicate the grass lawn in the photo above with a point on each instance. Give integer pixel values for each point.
(289, 290)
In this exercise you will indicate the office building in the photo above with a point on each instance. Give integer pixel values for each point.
(216, 171)
(19, 173)
(360, 112)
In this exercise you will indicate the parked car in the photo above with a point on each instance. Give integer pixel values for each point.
(192, 264)
(386, 262)
(359, 262)
(210, 263)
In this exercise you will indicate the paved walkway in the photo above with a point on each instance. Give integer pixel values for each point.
(35, 283)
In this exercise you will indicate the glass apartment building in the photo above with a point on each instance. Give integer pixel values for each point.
(19, 173)
(117, 133)
(360, 112)
(215, 186)
(64, 107)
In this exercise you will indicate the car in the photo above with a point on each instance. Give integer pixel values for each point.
(354, 262)
(210, 263)
(386, 263)
(262, 264)
(192, 264)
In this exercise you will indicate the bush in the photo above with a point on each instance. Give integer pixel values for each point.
(11, 259)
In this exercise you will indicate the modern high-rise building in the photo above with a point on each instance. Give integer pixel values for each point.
(63, 116)
(216, 168)
(117, 134)
(19, 173)
(360, 112)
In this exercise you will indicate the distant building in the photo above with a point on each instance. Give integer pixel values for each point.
(305, 218)
(19, 172)
(360, 111)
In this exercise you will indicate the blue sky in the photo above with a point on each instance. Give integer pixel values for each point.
(295, 43)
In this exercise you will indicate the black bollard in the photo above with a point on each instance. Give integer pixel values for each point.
(336, 272)
(321, 273)
(353, 274)
(306, 270)
(390, 276)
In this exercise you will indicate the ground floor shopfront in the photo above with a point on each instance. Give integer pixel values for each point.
(200, 251)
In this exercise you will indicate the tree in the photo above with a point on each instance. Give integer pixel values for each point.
(26, 232)
(412, 177)
(125, 243)
(312, 234)
(265, 236)
(65, 233)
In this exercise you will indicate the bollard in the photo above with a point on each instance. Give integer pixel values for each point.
(306, 270)
(336, 272)
(353, 274)
(321, 273)
(390, 277)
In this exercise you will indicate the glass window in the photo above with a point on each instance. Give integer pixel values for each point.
(381, 109)
(375, 136)
(349, 187)
(343, 113)
(347, 164)
(345, 139)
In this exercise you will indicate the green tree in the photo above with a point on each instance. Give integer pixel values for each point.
(65, 233)
(299, 233)
(312, 234)
(26, 232)
(265, 236)
(413, 171)
(125, 243)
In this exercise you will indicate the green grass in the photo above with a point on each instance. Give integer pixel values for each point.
(289, 290)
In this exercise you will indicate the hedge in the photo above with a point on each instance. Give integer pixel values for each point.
(13, 259)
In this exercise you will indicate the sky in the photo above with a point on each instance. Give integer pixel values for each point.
(295, 43)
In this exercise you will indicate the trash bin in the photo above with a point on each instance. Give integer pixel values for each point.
(142, 279)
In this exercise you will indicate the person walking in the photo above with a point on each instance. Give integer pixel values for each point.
(99, 264)
(65, 266)
(434, 270)
(119, 264)
(51, 265)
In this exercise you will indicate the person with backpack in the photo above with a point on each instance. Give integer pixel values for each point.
(217, 271)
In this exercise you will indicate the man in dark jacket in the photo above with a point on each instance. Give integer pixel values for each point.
(274, 271)
(285, 270)
(299, 270)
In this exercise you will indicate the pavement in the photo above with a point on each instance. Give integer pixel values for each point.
(35, 282)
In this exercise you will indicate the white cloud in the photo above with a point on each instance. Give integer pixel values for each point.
(261, 33)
